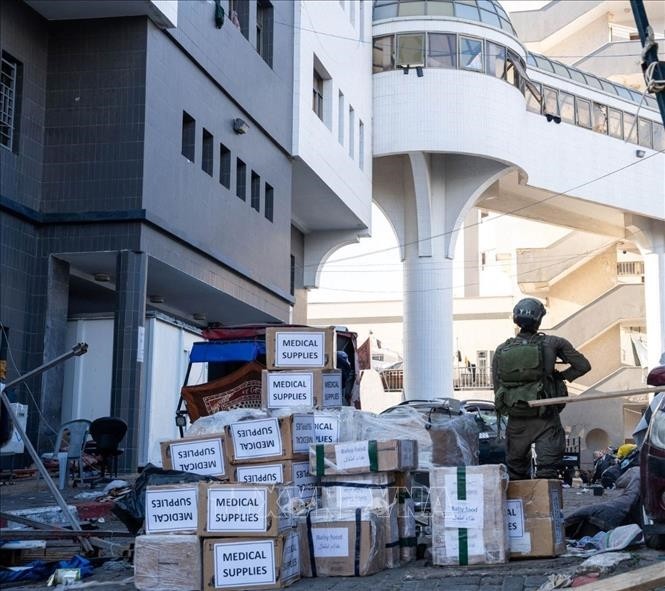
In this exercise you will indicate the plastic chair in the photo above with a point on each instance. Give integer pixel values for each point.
(107, 433)
(78, 433)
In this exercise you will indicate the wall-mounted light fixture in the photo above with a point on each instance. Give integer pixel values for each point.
(640, 153)
(156, 299)
(554, 118)
(102, 277)
(240, 126)
(419, 71)
(200, 316)
(405, 69)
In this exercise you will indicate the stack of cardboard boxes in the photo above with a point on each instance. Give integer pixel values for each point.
(355, 532)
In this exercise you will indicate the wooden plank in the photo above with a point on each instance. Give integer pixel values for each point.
(642, 579)
(59, 534)
(593, 396)
(29, 522)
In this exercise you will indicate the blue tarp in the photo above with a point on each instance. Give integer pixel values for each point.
(216, 351)
(39, 570)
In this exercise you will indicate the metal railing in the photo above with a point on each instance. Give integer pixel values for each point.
(630, 268)
(464, 378)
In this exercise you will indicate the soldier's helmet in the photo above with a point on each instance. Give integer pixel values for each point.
(528, 313)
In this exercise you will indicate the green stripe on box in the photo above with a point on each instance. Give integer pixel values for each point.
(320, 460)
(462, 533)
(372, 450)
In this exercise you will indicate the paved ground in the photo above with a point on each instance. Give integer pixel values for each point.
(525, 575)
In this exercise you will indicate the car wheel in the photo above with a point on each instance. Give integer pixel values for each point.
(655, 541)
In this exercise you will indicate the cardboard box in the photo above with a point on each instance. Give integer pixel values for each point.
(205, 455)
(167, 563)
(172, 508)
(229, 510)
(313, 388)
(535, 519)
(286, 472)
(301, 347)
(359, 457)
(406, 521)
(392, 551)
(371, 491)
(251, 563)
(350, 543)
(468, 515)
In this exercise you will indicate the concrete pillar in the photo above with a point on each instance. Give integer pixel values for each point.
(654, 300)
(55, 343)
(127, 396)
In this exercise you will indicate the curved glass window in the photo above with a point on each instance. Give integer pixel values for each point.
(488, 12)
(599, 118)
(583, 112)
(383, 53)
(471, 53)
(593, 81)
(496, 60)
(644, 132)
(533, 101)
(615, 123)
(566, 107)
(442, 50)
(578, 76)
(550, 101)
(410, 50)
(629, 128)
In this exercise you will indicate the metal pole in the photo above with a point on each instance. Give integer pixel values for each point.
(79, 349)
(650, 53)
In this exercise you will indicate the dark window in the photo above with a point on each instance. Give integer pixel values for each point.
(317, 96)
(255, 191)
(225, 166)
(599, 118)
(207, 147)
(383, 53)
(188, 136)
(644, 132)
(615, 126)
(239, 15)
(442, 51)
(241, 179)
(496, 60)
(471, 54)
(583, 109)
(292, 280)
(264, 30)
(567, 107)
(411, 50)
(269, 202)
(9, 101)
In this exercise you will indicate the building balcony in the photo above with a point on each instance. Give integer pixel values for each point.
(464, 378)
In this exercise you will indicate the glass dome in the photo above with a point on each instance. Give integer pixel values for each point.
(488, 12)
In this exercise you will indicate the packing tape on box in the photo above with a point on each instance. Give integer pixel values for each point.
(357, 485)
(372, 451)
(356, 558)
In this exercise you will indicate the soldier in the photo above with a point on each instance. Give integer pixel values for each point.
(523, 370)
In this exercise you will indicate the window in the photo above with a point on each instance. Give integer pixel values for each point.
(224, 166)
(352, 129)
(513, 68)
(255, 191)
(411, 8)
(264, 30)
(599, 118)
(269, 202)
(317, 97)
(340, 116)
(292, 279)
(207, 152)
(533, 101)
(442, 51)
(9, 101)
(496, 60)
(471, 54)
(614, 123)
(567, 107)
(188, 136)
(583, 109)
(629, 128)
(410, 50)
(383, 53)
(361, 145)
(241, 179)
(239, 15)
(658, 137)
(644, 132)
(384, 9)
(550, 101)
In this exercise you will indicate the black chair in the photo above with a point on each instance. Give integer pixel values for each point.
(107, 433)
